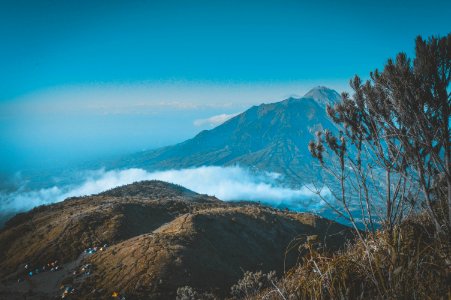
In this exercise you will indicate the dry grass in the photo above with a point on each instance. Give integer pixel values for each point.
(191, 251)
(410, 263)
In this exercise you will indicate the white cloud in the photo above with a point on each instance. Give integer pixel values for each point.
(228, 184)
(214, 120)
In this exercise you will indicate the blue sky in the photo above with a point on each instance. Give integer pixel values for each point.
(50, 43)
(80, 75)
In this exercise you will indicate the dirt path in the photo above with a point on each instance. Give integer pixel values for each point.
(44, 285)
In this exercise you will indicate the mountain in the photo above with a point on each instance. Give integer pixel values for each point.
(270, 137)
(158, 237)
(323, 95)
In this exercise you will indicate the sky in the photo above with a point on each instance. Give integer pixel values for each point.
(86, 79)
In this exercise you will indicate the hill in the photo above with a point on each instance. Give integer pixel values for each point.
(151, 238)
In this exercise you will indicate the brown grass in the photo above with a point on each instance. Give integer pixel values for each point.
(410, 263)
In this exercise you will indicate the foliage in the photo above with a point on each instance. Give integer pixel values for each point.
(395, 127)
(393, 152)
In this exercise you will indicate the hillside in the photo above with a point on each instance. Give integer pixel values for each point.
(413, 262)
(270, 137)
(158, 237)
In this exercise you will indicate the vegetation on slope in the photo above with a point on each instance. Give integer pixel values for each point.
(395, 128)
(407, 263)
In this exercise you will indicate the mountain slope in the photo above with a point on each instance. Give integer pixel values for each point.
(63, 230)
(271, 137)
(160, 237)
(207, 250)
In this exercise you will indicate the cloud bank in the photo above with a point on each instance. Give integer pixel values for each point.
(228, 184)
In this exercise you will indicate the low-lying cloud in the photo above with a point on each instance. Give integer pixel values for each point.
(214, 120)
(226, 183)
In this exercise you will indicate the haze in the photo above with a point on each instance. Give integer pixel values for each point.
(83, 82)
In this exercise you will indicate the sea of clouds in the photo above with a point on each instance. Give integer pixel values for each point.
(226, 183)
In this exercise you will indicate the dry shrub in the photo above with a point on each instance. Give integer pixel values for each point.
(252, 283)
(188, 293)
(412, 262)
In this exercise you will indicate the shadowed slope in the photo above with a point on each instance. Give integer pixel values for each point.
(207, 250)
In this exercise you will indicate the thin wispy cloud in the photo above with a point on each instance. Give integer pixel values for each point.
(151, 97)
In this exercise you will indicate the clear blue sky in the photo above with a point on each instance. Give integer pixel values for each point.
(82, 78)
(47, 43)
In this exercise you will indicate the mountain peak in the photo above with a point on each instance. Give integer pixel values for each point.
(323, 95)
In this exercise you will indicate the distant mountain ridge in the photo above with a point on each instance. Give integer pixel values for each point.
(270, 137)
